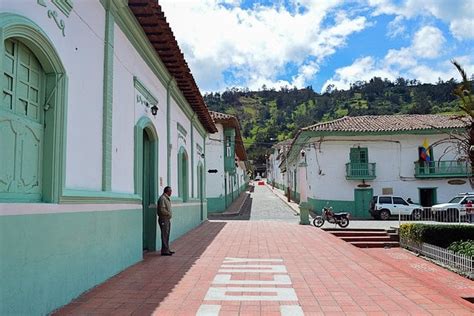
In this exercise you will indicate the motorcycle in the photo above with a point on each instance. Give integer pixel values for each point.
(341, 219)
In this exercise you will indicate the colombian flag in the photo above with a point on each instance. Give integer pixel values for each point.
(425, 152)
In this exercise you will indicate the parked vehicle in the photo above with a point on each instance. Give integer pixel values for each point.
(341, 219)
(454, 208)
(385, 206)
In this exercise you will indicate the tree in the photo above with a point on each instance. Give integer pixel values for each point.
(464, 93)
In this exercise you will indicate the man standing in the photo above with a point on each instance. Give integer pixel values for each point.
(164, 217)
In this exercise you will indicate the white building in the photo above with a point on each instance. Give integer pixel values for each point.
(226, 156)
(99, 112)
(353, 158)
(276, 168)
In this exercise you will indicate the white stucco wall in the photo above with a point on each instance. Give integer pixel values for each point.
(127, 112)
(394, 157)
(215, 160)
(198, 140)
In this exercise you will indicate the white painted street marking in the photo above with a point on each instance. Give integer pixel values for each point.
(223, 294)
(208, 310)
(246, 268)
(243, 260)
(226, 279)
(291, 310)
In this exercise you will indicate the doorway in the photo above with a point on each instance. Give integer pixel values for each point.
(200, 188)
(362, 198)
(148, 194)
(428, 197)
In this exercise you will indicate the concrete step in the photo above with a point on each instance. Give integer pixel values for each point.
(356, 229)
(370, 238)
(376, 244)
(359, 233)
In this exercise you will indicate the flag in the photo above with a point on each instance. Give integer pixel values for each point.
(425, 151)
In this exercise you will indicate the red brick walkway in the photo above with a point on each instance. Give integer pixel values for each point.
(329, 277)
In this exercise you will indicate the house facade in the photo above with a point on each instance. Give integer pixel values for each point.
(99, 112)
(349, 160)
(276, 167)
(226, 169)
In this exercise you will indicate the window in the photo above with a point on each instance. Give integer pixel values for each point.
(385, 200)
(359, 155)
(399, 200)
(228, 147)
(183, 181)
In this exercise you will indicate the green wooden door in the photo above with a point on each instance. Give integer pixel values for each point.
(362, 199)
(200, 188)
(149, 211)
(21, 124)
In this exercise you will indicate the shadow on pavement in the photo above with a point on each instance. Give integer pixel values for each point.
(141, 288)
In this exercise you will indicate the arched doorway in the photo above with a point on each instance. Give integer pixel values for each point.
(183, 175)
(200, 188)
(146, 176)
(32, 114)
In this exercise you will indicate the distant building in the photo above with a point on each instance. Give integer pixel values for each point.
(351, 159)
(226, 169)
(276, 171)
(99, 112)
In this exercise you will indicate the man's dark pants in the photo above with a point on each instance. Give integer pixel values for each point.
(165, 226)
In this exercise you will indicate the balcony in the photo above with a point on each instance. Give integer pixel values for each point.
(442, 169)
(360, 171)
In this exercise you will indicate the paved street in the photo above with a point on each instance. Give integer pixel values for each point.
(267, 206)
(276, 268)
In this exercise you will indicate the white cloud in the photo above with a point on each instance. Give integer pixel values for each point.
(459, 14)
(418, 61)
(256, 46)
(428, 42)
(396, 27)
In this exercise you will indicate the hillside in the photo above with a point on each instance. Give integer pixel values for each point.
(268, 116)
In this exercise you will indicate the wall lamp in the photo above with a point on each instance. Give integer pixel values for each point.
(154, 110)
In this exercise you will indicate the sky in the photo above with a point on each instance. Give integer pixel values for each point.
(251, 44)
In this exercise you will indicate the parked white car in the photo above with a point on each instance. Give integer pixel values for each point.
(385, 206)
(455, 207)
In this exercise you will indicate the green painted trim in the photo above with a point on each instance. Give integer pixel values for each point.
(216, 204)
(108, 97)
(145, 124)
(54, 150)
(168, 132)
(204, 188)
(181, 129)
(152, 100)
(338, 205)
(72, 196)
(192, 157)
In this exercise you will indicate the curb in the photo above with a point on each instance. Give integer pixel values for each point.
(283, 198)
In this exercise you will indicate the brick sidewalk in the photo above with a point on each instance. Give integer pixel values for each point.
(312, 272)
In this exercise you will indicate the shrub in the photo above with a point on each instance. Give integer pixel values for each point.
(438, 235)
(463, 247)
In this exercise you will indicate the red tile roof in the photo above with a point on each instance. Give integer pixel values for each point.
(153, 21)
(389, 123)
(231, 121)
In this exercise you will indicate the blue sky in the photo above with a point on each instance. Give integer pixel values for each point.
(290, 43)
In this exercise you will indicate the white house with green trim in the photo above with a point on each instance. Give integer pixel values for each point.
(226, 170)
(351, 159)
(276, 169)
(99, 112)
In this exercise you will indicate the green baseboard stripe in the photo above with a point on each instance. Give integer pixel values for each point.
(338, 206)
(215, 205)
(49, 259)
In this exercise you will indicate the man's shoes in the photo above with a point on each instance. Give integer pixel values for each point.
(167, 254)
(171, 251)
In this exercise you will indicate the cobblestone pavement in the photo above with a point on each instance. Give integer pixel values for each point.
(273, 268)
(267, 206)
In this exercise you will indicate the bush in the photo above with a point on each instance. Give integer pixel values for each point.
(438, 235)
(463, 247)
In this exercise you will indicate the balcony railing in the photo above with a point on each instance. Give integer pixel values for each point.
(360, 171)
(442, 169)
